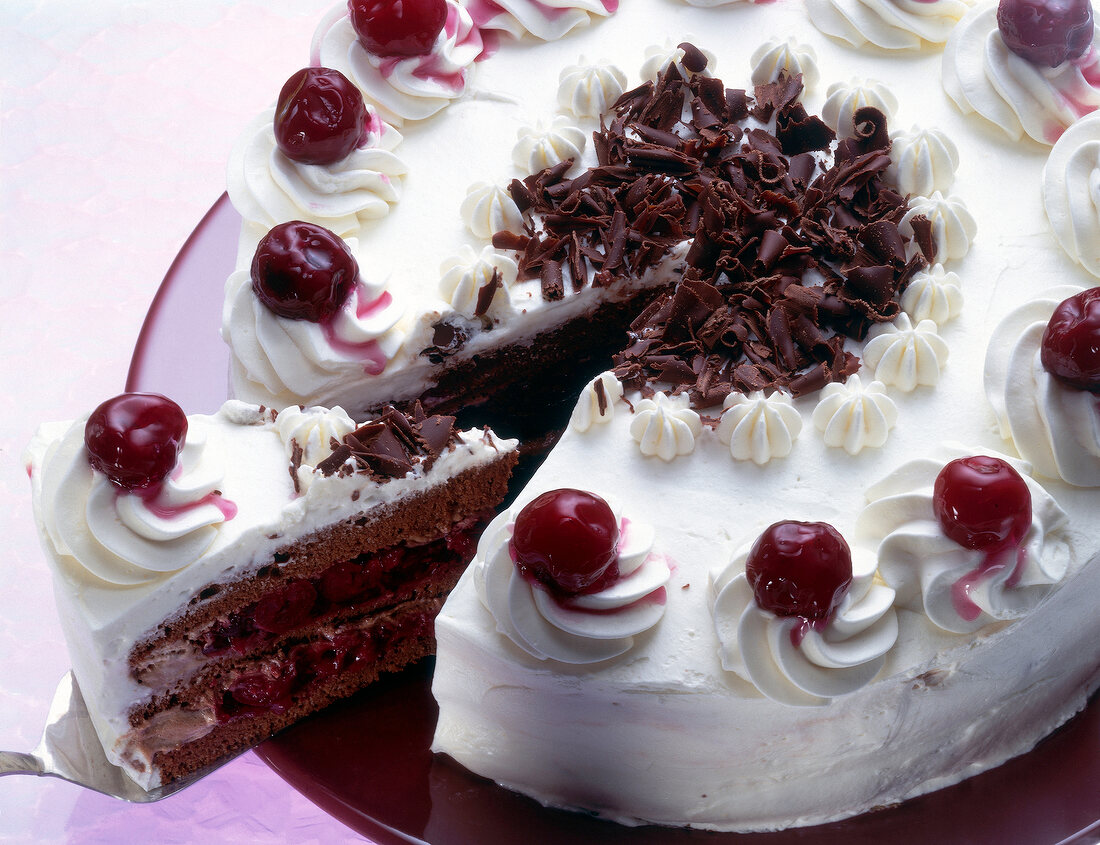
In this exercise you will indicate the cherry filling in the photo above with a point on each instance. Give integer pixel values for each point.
(367, 578)
(1046, 32)
(982, 503)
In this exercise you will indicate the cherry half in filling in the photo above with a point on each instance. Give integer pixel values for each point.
(982, 503)
(135, 438)
(320, 116)
(1046, 32)
(406, 28)
(568, 541)
(302, 271)
(800, 569)
(1070, 348)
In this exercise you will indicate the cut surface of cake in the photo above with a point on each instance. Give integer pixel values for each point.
(680, 675)
(219, 577)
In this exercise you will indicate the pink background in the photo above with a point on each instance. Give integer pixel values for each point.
(116, 120)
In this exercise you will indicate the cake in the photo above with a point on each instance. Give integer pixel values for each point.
(671, 668)
(219, 577)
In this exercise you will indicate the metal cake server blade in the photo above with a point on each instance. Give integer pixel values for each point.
(70, 749)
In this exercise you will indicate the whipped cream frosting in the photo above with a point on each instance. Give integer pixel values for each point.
(664, 426)
(959, 589)
(1053, 426)
(404, 87)
(312, 431)
(953, 226)
(548, 143)
(1071, 192)
(583, 629)
(845, 99)
(758, 428)
(934, 294)
(590, 90)
(922, 161)
(796, 662)
(854, 416)
(904, 355)
(596, 405)
(984, 77)
(463, 277)
(268, 188)
(545, 19)
(889, 24)
(489, 209)
(775, 56)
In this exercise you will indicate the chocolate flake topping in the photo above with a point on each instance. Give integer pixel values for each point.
(793, 251)
(392, 445)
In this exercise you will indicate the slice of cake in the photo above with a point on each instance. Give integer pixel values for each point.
(219, 577)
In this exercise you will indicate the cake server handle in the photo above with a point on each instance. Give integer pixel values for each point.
(17, 763)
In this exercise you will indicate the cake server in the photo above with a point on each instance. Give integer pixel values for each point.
(70, 749)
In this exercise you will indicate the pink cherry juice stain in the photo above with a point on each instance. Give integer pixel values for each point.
(995, 561)
(150, 496)
(799, 631)
(368, 351)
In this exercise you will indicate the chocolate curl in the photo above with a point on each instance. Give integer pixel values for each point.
(486, 293)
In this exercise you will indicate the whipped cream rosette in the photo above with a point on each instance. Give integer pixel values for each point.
(579, 629)
(889, 24)
(794, 660)
(961, 588)
(545, 19)
(1071, 192)
(1053, 425)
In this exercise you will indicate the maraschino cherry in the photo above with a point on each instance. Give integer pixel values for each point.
(1071, 343)
(135, 439)
(320, 116)
(800, 569)
(406, 28)
(567, 540)
(982, 503)
(302, 271)
(1046, 32)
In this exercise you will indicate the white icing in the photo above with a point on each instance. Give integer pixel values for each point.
(939, 577)
(463, 276)
(546, 19)
(953, 226)
(982, 75)
(889, 24)
(313, 429)
(843, 101)
(489, 209)
(758, 428)
(588, 411)
(933, 294)
(659, 57)
(833, 659)
(904, 355)
(1052, 425)
(544, 145)
(775, 56)
(1071, 192)
(853, 416)
(664, 426)
(294, 360)
(584, 629)
(590, 90)
(922, 161)
(403, 88)
(268, 188)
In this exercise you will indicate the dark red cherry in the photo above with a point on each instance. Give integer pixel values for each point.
(303, 272)
(982, 503)
(135, 439)
(567, 540)
(320, 116)
(1046, 32)
(398, 27)
(800, 569)
(1071, 342)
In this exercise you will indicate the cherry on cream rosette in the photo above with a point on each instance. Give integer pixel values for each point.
(303, 320)
(966, 538)
(569, 578)
(1028, 66)
(409, 59)
(1042, 377)
(889, 24)
(320, 155)
(544, 19)
(800, 617)
(133, 491)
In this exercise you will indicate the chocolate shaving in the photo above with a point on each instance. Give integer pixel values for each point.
(486, 293)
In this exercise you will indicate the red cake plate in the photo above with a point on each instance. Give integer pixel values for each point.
(367, 760)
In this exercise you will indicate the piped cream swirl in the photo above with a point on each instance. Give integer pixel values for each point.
(545, 19)
(889, 24)
(1071, 192)
(1053, 426)
(791, 660)
(126, 538)
(403, 88)
(584, 629)
(983, 76)
(958, 589)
